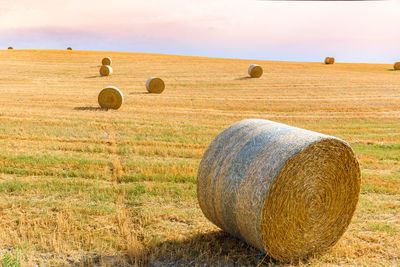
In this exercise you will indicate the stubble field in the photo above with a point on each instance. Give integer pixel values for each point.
(83, 186)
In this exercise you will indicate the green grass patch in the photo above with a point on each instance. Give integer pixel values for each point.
(383, 227)
(379, 151)
(10, 261)
(373, 188)
(13, 186)
(50, 159)
(62, 173)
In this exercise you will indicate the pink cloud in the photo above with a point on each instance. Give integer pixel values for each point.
(278, 30)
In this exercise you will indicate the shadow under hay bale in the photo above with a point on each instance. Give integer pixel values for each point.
(287, 191)
(243, 78)
(139, 93)
(210, 249)
(90, 108)
(102, 260)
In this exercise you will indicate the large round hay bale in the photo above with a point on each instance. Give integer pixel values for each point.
(155, 85)
(286, 191)
(10, 47)
(329, 60)
(69, 48)
(255, 71)
(106, 61)
(111, 98)
(106, 70)
(396, 66)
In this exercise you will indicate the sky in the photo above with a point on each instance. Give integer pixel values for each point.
(350, 31)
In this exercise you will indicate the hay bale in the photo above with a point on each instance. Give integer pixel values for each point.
(69, 48)
(396, 66)
(286, 191)
(255, 71)
(329, 60)
(106, 70)
(110, 98)
(155, 85)
(106, 61)
(10, 48)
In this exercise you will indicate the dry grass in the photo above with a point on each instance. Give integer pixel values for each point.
(81, 185)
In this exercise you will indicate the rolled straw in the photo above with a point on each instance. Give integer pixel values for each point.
(329, 60)
(155, 85)
(106, 70)
(110, 98)
(106, 61)
(255, 71)
(286, 191)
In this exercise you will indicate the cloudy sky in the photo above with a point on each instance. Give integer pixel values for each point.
(359, 31)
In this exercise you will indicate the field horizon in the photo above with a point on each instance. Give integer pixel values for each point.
(390, 64)
(84, 186)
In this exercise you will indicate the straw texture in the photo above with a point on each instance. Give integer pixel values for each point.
(286, 191)
(106, 61)
(396, 66)
(329, 60)
(255, 71)
(10, 48)
(106, 70)
(155, 85)
(69, 48)
(111, 98)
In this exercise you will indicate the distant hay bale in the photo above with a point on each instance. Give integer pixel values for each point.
(255, 71)
(286, 191)
(106, 61)
(329, 60)
(110, 98)
(155, 85)
(106, 70)
(10, 47)
(396, 66)
(69, 48)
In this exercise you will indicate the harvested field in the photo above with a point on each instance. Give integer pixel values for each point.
(82, 185)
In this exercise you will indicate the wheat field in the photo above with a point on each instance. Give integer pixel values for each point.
(84, 186)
